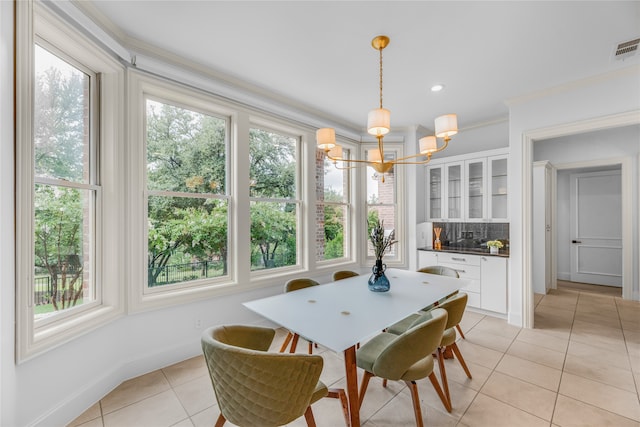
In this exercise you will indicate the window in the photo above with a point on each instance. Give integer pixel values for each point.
(66, 187)
(382, 203)
(333, 208)
(187, 203)
(67, 127)
(274, 202)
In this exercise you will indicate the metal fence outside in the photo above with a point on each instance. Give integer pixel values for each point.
(176, 273)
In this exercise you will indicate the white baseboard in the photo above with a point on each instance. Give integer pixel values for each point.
(102, 384)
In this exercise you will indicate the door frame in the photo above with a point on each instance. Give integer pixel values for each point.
(528, 138)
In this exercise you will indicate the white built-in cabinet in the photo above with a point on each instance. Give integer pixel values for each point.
(472, 190)
(486, 276)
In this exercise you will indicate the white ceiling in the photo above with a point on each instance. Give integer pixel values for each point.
(318, 53)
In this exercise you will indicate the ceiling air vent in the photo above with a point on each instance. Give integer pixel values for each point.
(626, 49)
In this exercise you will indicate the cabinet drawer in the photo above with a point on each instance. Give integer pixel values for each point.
(464, 271)
(468, 272)
(444, 257)
(473, 299)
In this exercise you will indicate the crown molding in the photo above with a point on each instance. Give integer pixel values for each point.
(576, 84)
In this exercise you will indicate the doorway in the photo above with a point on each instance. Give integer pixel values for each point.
(592, 125)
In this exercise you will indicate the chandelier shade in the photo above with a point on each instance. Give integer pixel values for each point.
(379, 125)
(428, 145)
(446, 125)
(379, 122)
(326, 138)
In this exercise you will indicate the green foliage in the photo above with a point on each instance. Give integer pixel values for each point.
(273, 231)
(58, 242)
(60, 135)
(59, 124)
(334, 248)
(273, 164)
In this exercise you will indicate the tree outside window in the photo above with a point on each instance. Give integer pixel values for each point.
(187, 197)
(273, 198)
(65, 189)
(333, 207)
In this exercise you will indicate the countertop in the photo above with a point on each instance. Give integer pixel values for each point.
(504, 252)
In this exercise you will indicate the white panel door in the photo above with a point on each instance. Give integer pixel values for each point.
(596, 228)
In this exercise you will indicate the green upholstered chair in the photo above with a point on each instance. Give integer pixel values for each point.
(440, 270)
(455, 307)
(256, 388)
(406, 357)
(343, 274)
(290, 286)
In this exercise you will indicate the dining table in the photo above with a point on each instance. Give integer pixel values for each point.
(339, 315)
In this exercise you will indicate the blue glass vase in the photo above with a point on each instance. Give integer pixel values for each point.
(378, 282)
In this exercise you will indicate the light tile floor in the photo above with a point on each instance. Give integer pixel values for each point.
(580, 366)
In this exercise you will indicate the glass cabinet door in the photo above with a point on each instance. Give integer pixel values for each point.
(454, 191)
(475, 186)
(434, 200)
(498, 176)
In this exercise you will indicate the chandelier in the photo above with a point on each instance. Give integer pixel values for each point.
(379, 124)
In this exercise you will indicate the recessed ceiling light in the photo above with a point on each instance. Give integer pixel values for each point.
(437, 88)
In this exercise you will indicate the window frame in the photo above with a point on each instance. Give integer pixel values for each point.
(36, 24)
(399, 206)
(349, 206)
(163, 193)
(143, 86)
(267, 125)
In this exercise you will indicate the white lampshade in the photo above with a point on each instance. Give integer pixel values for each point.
(326, 138)
(446, 125)
(379, 122)
(428, 144)
(336, 152)
(374, 156)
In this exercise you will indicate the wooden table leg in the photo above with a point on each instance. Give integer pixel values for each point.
(351, 370)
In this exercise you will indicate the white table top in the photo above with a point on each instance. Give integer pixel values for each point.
(340, 314)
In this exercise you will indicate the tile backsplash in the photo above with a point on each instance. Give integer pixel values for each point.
(472, 234)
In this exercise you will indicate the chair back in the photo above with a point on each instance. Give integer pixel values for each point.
(254, 387)
(440, 270)
(343, 274)
(455, 306)
(415, 344)
(301, 283)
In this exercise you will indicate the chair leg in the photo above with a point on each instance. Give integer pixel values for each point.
(221, 420)
(443, 376)
(363, 387)
(286, 342)
(456, 351)
(310, 350)
(461, 333)
(294, 343)
(339, 393)
(416, 402)
(436, 385)
(384, 383)
(308, 415)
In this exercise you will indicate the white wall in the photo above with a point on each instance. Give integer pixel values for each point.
(7, 260)
(578, 103)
